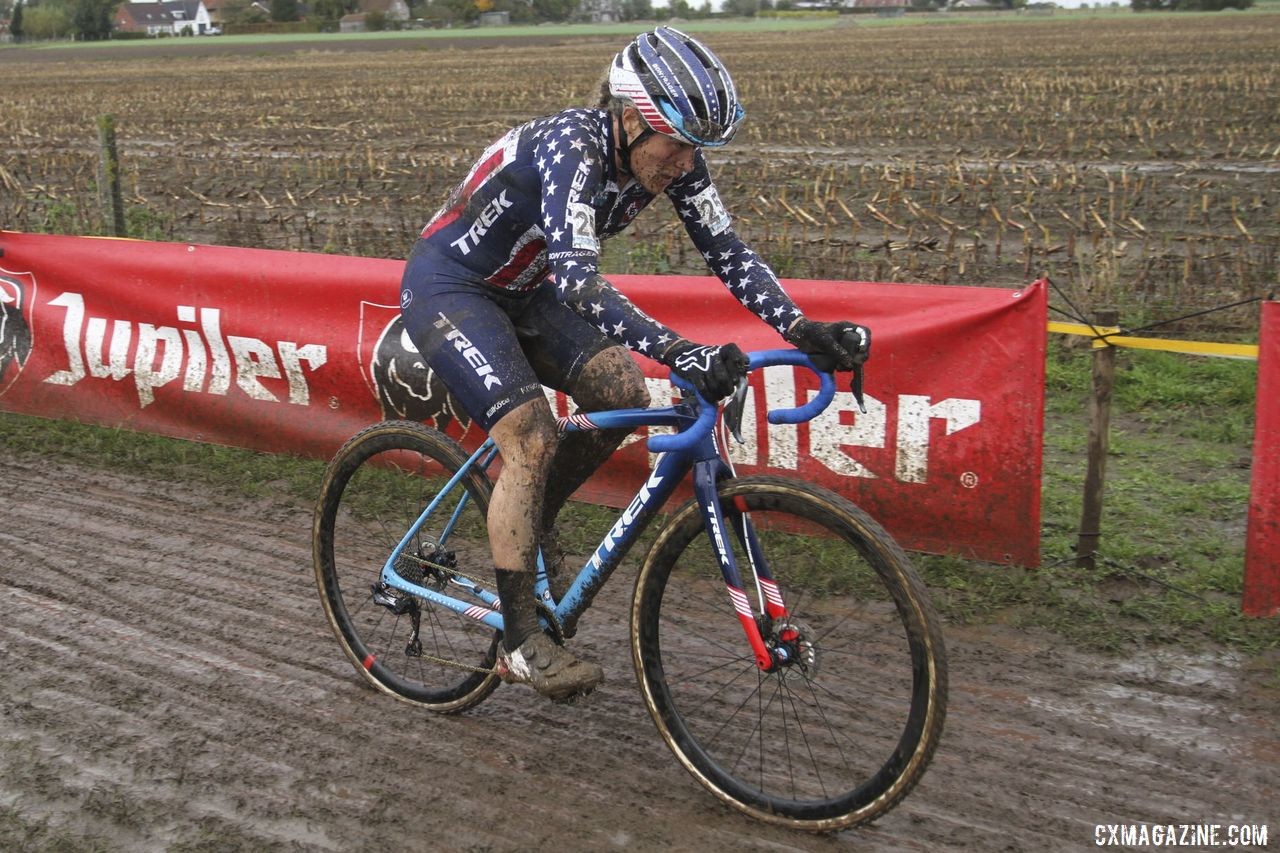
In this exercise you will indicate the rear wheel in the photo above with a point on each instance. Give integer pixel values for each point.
(839, 733)
(373, 491)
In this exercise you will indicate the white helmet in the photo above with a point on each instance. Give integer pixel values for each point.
(679, 86)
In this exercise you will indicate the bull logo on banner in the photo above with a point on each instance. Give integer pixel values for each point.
(15, 329)
(404, 386)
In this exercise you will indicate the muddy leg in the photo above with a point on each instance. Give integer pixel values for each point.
(611, 380)
(526, 438)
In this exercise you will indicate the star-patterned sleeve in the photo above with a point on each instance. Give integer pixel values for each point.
(570, 161)
(710, 227)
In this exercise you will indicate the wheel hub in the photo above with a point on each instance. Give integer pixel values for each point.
(791, 642)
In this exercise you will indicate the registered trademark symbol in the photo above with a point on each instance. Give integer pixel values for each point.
(969, 480)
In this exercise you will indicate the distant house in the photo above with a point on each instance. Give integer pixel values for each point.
(173, 17)
(600, 11)
(391, 11)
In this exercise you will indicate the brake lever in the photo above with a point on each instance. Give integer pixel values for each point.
(855, 385)
(733, 410)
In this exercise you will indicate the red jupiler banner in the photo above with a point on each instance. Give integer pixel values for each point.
(294, 352)
(1262, 542)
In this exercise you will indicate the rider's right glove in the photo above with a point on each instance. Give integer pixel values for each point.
(713, 371)
(832, 346)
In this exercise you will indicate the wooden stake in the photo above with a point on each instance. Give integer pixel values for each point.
(109, 177)
(1104, 370)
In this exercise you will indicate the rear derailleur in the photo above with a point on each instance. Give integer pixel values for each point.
(432, 568)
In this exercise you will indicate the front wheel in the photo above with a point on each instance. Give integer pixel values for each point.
(839, 733)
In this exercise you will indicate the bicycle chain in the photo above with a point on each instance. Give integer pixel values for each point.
(455, 665)
(419, 563)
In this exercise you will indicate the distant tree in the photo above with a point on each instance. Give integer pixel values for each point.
(554, 10)
(741, 8)
(451, 11)
(284, 10)
(15, 23)
(637, 10)
(329, 11)
(47, 21)
(679, 9)
(520, 11)
(91, 19)
(232, 11)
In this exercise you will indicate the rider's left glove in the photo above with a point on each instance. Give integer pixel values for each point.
(832, 346)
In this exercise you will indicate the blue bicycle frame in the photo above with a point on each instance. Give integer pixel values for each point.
(694, 446)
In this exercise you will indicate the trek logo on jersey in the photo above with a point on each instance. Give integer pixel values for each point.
(483, 223)
(15, 330)
(470, 353)
(580, 178)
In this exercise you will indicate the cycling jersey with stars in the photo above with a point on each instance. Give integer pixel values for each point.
(541, 199)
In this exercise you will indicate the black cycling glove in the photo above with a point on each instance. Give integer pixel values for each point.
(832, 346)
(713, 371)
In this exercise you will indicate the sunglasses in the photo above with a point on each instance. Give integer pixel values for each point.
(702, 132)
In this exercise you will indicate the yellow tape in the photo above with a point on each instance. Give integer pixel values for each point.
(1082, 330)
(1114, 338)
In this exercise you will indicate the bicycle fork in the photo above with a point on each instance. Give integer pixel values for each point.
(768, 656)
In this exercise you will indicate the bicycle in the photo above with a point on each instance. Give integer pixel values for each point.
(784, 645)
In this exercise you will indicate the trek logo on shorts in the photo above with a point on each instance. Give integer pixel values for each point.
(469, 352)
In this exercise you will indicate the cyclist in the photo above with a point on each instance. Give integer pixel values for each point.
(502, 294)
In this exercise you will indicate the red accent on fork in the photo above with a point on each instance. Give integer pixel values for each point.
(764, 660)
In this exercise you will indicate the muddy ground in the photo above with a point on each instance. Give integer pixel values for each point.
(169, 683)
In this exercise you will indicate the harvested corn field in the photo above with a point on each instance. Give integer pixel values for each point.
(1134, 159)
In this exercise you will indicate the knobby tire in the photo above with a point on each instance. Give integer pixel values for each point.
(834, 740)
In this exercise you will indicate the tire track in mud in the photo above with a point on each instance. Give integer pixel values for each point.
(169, 682)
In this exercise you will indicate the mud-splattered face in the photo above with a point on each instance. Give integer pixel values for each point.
(657, 160)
